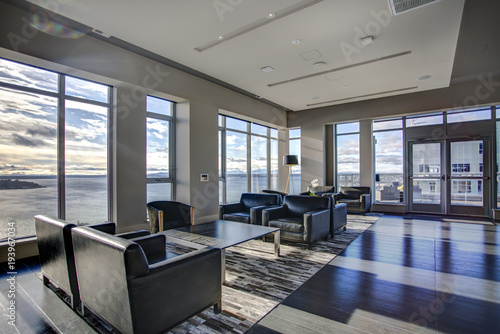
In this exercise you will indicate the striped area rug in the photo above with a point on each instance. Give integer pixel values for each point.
(256, 281)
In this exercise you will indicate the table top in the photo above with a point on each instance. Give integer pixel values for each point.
(219, 233)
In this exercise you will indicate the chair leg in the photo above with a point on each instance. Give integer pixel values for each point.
(218, 306)
(45, 281)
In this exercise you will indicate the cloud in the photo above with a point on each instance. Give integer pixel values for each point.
(39, 130)
(25, 141)
(8, 167)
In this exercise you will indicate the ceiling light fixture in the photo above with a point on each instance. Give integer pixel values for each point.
(424, 77)
(220, 38)
(296, 41)
(366, 40)
(267, 69)
(319, 64)
(271, 16)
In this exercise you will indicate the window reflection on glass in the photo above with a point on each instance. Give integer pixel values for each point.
(86, 90)
(236, 165)
(86, 162)
(389, 166)
(159, 106)
(157, 158)
(28, 76)
(348, 160)
(259, 163)
(466, 158)
(28, 160)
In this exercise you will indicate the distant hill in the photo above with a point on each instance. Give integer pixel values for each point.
(16, 184)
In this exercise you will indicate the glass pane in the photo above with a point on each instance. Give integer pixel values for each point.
(236, 165)
(296, 170)
(159, 106)
(86, 89)
(389, 166)
(274, 133)
(259, 129)
(157, 159)
(28, 76)
(348, 160)
(274, 165)
(220, 153)
(159, 192)
(294, 133)
(386, 125)
(422, 121)
(28, 160)
(476, 115)
(221, 192)
(498, 163)
(466, 158)
(86, 163)
(259, 164)
(427, 191)
(221, 120)
(426, 160)
(347, 128)
(237, 124)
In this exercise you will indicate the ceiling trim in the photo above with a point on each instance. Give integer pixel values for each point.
(396, 55)
(362, 96)
(257, 24)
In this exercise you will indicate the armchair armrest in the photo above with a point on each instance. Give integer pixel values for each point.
(315, 222)
(133, 234)
(153, 247)
(366, 201)
(256, 213)
(230, 208)
(108, 228)
(273, 213)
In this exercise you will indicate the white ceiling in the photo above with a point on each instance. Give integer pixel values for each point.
(406, 46)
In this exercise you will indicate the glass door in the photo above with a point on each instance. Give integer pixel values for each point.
(468, 177)
(426, 181)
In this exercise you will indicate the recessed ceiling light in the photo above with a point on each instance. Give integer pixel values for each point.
(296, 41)
(220, 37)
(319, 64)
(267, 69)
(344, 86)
(271, 16)
(366, 40)
(424, 77)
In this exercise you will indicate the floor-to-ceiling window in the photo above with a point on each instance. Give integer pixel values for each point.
(160, 157)
(53, 148)
(248, 155)
(388, 146)
(347, 154)
(294, 143)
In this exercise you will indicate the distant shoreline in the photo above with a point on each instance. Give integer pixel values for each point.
(9, 184)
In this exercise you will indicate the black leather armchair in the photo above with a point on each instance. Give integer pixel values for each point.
(165, 215)
(339, 218)
(55, 248)
(300, 218)
(120, 285)
(249, 208)
(275, 192)
(358, 199)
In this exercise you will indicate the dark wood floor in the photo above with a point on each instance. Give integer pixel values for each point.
(401, 275)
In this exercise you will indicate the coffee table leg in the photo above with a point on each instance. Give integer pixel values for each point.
(223, 266)
(277, 243)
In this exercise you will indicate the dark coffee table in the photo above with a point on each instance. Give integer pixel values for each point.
(221, 234)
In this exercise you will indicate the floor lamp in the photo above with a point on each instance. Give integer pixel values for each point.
(290, 161)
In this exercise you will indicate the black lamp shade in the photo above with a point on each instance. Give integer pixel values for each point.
(290, 160)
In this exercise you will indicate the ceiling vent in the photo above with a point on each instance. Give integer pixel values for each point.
(401, 6)
(100, 33)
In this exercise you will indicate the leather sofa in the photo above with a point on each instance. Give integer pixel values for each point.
(165, 215)
(120, 285)
(249, 208)
(358, 199)
(55, 248)
(300, 218)
(339, 218)
(276, 192)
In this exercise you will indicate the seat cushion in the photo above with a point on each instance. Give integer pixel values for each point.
(242, 217)
(350, 202)
(291, 224)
